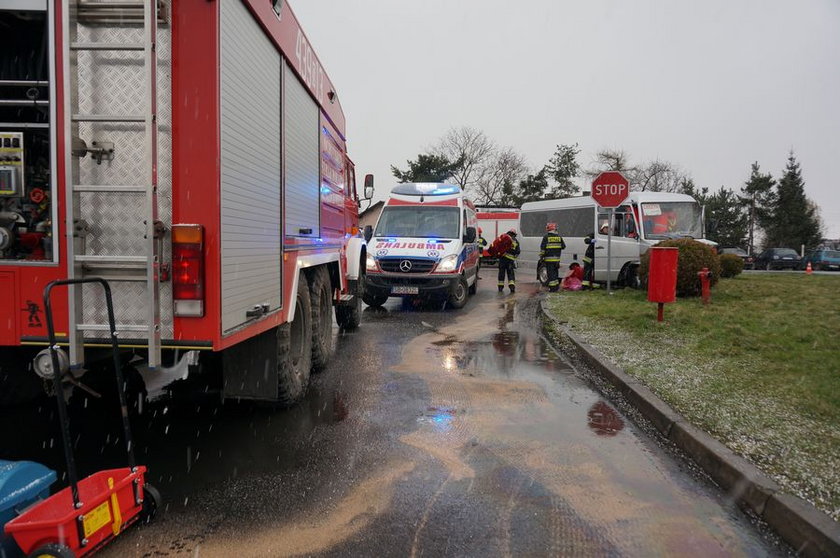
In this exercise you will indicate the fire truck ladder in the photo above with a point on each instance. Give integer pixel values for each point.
(137, 267)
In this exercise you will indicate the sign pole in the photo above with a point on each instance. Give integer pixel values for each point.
(609, 251)
(609, 190)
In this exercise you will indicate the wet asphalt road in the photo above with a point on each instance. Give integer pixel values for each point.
(431, 433)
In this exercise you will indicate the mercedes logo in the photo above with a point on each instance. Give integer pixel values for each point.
(405, 266)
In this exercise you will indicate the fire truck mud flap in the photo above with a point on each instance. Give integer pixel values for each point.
(158, 379)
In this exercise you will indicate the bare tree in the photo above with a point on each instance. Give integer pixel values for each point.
(500, 175)
(661, 176)
(610, 160)
(473, 148)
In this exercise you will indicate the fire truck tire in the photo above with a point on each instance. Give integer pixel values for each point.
(320, 291)
(349, 316)
(52, 550)
(459, 295)
(294, 349)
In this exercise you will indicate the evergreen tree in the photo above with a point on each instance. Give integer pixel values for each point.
(757, 198)
(532, 188)
(427, 168)
(562, 168)
(726, 218)
(794, 218)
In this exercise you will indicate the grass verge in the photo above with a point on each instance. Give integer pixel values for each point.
(759, 368)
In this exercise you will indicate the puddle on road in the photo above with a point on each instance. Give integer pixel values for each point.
(498, 388)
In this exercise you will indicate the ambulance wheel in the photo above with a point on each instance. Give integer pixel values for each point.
(374, 299)
(52, 550)
(152, 502)
(542, 275)
(349, 316)
(320, 293)
(294, 350)
(458, 298)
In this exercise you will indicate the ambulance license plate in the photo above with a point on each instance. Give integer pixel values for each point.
(405, 290)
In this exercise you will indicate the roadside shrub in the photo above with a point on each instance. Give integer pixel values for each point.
(731, 265)
(693, 257)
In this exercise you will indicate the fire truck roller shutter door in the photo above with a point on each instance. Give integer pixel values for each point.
(301, 137)
(250, 166)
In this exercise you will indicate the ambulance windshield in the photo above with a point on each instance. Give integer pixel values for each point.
(672, 220)
(419, 222)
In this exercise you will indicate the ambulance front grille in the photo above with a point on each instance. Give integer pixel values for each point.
(406, 265)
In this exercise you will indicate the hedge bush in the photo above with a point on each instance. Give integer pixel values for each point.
(693, 257)
(731, 265)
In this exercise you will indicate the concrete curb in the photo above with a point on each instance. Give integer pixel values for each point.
(807, 529)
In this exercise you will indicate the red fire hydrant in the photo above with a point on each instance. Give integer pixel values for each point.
(705, 279)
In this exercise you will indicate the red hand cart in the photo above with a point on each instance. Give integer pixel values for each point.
(89, 513)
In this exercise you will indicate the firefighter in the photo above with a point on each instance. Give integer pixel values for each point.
(550, 249)
(589, 262)
(482, 246)
(507, 262)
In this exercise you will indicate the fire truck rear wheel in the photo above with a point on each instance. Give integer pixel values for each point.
(320, 291)
(294, 349)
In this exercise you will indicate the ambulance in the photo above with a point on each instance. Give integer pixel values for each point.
(424, 245)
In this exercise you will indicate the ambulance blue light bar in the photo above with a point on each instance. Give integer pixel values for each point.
(426, 189)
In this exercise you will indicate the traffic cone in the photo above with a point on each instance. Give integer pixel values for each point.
(808, 269)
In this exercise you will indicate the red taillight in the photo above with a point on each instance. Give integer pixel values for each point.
(188, 270)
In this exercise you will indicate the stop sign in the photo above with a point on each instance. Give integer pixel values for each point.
(610, 188)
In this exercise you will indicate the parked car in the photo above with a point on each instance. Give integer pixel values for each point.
(749, 261)
(822, 259)
(777, 258)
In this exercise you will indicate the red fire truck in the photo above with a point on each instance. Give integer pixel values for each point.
(192, 153)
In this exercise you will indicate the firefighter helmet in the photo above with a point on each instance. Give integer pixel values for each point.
(511, 232)
(551, 226)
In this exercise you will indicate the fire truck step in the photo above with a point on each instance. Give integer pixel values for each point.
(106, 327)
(108, 118)
(117, 189)
(107, 46)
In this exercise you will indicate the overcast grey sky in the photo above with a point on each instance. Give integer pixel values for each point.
(711, 86)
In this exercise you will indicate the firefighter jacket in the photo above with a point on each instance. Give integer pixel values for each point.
(551, 247)
(482, 245)
(513, 252)
(589, 256)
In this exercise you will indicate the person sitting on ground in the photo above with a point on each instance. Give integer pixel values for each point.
(573, 280)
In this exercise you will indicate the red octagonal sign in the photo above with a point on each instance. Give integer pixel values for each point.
(610, 188)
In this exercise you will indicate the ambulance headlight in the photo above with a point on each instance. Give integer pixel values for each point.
(370, 264)
(447, 264)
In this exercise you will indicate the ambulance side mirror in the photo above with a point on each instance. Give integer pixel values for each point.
(368, 233)
(368, 186)
(470, 236)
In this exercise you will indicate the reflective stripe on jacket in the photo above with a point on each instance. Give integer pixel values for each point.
(551, 247)
(513, 251)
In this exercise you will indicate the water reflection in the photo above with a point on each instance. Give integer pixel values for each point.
(439, 417)
(603, 420)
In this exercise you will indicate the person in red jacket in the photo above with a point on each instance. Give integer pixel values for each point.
(508, 252)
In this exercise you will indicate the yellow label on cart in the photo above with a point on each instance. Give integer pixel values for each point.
(97, 518)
